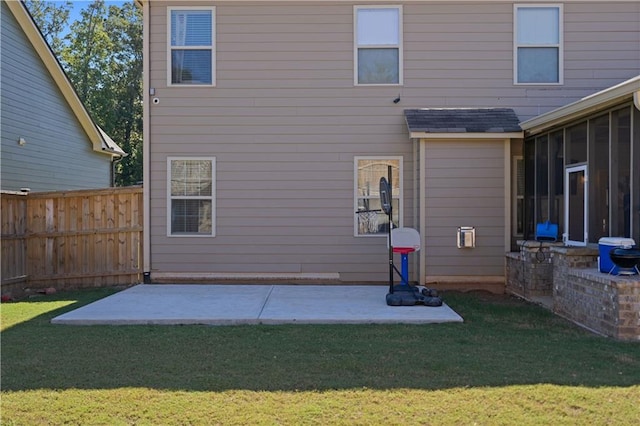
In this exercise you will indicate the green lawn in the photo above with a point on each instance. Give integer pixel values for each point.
(509, 363)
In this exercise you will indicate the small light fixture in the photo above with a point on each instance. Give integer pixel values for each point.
(22, 141)
(396, 100)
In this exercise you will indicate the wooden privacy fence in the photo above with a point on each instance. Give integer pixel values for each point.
(73, 239)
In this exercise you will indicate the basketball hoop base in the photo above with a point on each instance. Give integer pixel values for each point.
(405, 295)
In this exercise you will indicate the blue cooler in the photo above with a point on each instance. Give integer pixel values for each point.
(605, 245)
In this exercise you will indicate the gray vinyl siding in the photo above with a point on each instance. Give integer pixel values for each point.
(464, 186)
(285, 122)
(58, 154)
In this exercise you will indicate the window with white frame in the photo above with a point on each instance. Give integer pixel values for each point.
(378, 44)
(191, 55)
(369, 217)
(191, 196)
(538, 44)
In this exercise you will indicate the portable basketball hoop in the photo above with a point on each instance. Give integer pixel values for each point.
(405, 241)
(402, 241)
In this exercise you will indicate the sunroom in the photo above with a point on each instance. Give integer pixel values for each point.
(582, 168)
(581, 173)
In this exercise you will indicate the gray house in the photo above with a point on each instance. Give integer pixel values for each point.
(49, 141)
(269, 124)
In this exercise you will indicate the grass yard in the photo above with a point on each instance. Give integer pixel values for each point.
(509, 363)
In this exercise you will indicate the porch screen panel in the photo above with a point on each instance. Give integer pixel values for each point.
(529, 188)
(576, 140)
(621, 173)
(542, 179)
(556, 178)
(599, 179)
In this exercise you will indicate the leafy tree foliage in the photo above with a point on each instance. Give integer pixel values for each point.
(51, 20)
(102, 55)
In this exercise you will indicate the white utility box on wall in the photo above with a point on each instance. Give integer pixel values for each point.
(466, 237)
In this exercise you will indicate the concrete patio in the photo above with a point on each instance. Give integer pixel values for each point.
(173, 304)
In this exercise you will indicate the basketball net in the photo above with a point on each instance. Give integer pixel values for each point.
(368, 222)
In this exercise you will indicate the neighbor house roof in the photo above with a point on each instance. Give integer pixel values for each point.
(482, 123)
(100, 141)
(625, 91)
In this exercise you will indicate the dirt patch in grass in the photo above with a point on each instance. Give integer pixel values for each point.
(489, 297)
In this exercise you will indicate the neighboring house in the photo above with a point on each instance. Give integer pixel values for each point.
(268, 126)
(49, 141)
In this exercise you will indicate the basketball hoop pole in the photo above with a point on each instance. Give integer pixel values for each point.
(390, 214)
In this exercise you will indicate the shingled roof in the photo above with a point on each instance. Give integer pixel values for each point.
(462, 120)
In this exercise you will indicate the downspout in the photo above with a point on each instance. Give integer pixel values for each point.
(146, 160)
(633, 178)
(415, 218)
(115, 159)
(423, 215)
(507, 195)
(114, 163)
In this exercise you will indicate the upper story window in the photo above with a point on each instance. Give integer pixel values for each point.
(191, 53)
(538, 44)
(378, 45)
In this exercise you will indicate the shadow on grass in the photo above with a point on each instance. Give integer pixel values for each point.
(503, 341)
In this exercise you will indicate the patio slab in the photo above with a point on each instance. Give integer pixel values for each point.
(174, 304)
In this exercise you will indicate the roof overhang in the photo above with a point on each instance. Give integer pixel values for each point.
(626, 91)
(100, 141)
(453, 135)
(463, 123)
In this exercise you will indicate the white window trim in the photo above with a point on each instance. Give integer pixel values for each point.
(212, 47)
(560, 44)
(212, 198)
(399, 197)
(399, 46)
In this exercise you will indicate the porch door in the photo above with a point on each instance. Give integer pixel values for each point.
(575, 201)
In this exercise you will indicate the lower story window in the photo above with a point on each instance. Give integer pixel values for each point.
(369, 218)
(191, 192)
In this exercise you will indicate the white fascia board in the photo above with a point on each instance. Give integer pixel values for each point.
(453, 135)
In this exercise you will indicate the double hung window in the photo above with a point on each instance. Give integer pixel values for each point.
(369, 218)
(191, 196)
(538, 44)
(191, 43)
(378, 45)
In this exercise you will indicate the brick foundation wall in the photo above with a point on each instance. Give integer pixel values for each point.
(530, 272)
(606, 304)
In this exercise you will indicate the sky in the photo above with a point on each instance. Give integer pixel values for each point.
(78, 5)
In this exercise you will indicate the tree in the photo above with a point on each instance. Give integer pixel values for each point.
(51, 20)
(102, 55)
(125, 26)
